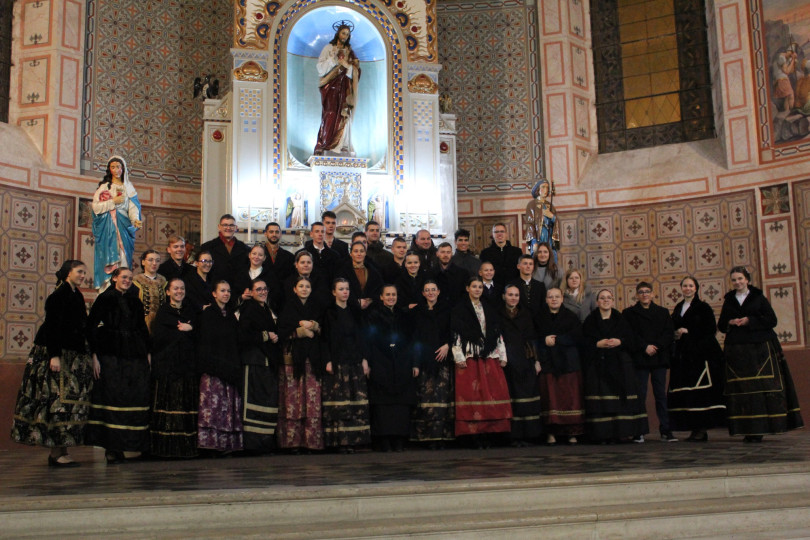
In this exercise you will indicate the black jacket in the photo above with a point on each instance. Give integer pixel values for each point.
(301, 348)
(374, 283)
(65, 322)
(342, 336)
(504, 260)
(651, 326)
(325, 260)
(564, 356)
(218, 345)
(284, 264)
(431, 330)
(699, 344)
(761, 318)
(173, 351)
(116, 326)
(377, 252)
(452, 282)
(390, 357)
(170, 269)
(255, 319)
(199, 292)
(226, 264)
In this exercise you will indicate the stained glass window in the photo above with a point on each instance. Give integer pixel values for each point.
(652, 73)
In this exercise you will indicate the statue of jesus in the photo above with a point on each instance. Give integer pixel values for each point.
(339, 72)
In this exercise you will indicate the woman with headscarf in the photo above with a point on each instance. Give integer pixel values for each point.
(52, 404)
(119, 342)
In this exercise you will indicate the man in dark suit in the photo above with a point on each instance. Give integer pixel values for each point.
(279, 260)
(229, 253)
(337, 245)
(503, 255)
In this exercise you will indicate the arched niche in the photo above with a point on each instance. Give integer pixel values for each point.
(308, 34)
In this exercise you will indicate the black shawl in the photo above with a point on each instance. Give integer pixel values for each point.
(390, 358)
(301, 348)
(218, 345)
(465, 326)
(699, 344)
(761, 318)
(431, 330)
(255, 318)
(613, 367)
(173, 354)
(116, 326)
(564, 356)
(343, 344)
(519, 337)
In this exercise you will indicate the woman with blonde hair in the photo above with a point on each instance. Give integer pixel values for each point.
(576, 295)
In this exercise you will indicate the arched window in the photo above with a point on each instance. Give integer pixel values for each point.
(652, 73)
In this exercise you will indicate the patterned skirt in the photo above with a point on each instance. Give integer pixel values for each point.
(219, 422)
(482, 398)
(345, 407)
(260, 416)
(52, 408)
(173, 430)
(433, 418)
(525, 396)
(695, 397)
(562, 404)
(119, 405)
(760, 391)
(299, 415)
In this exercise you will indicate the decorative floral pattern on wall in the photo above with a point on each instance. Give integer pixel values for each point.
(143, 57)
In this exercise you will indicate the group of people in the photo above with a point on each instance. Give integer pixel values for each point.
(346, 345)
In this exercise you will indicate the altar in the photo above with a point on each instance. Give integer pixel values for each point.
(263, 154)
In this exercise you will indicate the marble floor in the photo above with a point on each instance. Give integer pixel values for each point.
(24, 471)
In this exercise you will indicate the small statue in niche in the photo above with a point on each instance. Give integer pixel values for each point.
(205, 87)
(541, 218)
(339, 72)
(445, 103)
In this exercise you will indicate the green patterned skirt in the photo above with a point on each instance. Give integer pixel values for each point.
(52, 408)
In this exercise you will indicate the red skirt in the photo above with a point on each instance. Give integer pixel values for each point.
(482, 398)
(561, 400)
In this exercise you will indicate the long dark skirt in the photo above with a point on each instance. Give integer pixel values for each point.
(390, 419)
(613, 409)
(526, 411)
(433, 418)
(260, 416)
(482, 398)
(119, 405)
(173, 431)
(219, 422)
(695, 397)
(299, 415)
(760, 392)
(562, 403)
(345, 407)
(52, 408)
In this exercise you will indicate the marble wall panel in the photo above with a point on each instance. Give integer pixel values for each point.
(784, 299)
(778, 238)
(801, 201)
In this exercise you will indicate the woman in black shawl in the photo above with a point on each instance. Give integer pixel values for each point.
(561, 377)
(482, 394)
(243, 279)
(119, 341)
(198, 283)
(299, 415)
(392, 371)
(433, 418)
(52, 404)
(695, 397)
(261, 358)
(364, 281)
(613, 410)
(410, 281)
(219, 421)
(175, 382)
(760, 391)
(345, 389)
(519, 337)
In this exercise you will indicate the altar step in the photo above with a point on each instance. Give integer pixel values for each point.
(766, 501)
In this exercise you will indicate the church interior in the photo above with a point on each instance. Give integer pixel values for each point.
(674, 134)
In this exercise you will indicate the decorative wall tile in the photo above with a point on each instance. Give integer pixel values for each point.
(670, 294)
(19, 338)
(25, 215)
(778, 247)
(775, 200)
(54, 257)
(739, 213)
(635, 228)
(708, 255)
(36, 23)
(706, 219)
(569, 233)
(712, 291)
(636, 262)
(21, 296)
(601, 265)
(741, 252)
(599, 230)
(784, 301)
(57, 217)
(670, 223)
(22, 255)
(672, 260)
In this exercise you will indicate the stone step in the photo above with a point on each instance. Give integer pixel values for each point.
(681, 503)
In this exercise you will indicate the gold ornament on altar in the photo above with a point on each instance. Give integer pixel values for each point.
(250, 71)
(422, 84)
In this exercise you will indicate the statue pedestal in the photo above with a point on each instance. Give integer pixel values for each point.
(337, 175)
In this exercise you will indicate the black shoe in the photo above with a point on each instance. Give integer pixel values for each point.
(752, 439)
(667, 436)
(399, 445)
(54, 462)
(114, 457)
(698, 436)
(385, 445)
